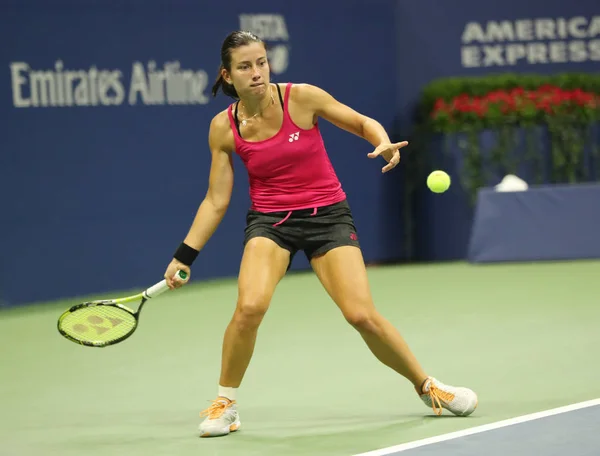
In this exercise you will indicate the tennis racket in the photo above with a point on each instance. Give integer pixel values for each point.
(107, 322)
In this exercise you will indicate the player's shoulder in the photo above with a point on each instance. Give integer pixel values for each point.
(220, 134)
(220, 121)
(303, 89)
(305, 93)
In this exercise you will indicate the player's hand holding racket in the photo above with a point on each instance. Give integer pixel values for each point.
(107, 322)
(172, 277)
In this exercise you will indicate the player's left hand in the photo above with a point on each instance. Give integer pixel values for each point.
(391, 154)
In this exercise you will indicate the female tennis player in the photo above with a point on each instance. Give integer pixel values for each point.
(298, 204)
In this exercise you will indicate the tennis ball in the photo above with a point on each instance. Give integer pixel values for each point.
(438, 181)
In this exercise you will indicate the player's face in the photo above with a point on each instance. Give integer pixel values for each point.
(250, 70)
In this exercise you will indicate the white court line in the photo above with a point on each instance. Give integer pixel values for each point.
(479, 429)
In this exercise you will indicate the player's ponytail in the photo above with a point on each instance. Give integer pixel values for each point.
(231, 42)
(220, 83)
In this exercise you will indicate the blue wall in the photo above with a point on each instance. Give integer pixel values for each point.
(438, 39)
(96, 197)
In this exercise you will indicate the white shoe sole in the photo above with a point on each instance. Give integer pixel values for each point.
(221, 432)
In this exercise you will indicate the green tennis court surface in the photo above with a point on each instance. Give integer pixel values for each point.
(525, 337)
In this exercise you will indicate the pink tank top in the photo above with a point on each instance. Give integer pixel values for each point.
(289, 171)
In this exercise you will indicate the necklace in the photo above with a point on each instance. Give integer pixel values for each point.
(245, 121)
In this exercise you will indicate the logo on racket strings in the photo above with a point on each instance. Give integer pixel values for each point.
(99, 324)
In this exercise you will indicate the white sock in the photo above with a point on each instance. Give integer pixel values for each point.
(227, 392)
(425, 386)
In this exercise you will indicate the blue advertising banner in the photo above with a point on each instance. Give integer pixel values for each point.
(106, 107)
(104, 151)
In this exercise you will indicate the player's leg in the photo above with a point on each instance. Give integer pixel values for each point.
(263, 265)
(342, 272)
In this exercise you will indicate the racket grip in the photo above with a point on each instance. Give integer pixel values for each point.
(162, 286)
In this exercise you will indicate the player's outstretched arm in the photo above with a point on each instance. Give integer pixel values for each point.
(326, 106)
(213, 207)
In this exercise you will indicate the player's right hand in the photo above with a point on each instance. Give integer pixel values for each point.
(173, 281)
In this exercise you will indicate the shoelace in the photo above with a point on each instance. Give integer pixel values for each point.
(437, 397)
(217, 409)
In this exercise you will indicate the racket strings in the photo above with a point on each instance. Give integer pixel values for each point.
(98, 324)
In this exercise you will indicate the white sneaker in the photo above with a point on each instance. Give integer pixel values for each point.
(459, 400)
(222, 418)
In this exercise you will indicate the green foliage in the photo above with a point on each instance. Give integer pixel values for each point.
(566, 106)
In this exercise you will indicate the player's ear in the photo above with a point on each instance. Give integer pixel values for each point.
(225, 75)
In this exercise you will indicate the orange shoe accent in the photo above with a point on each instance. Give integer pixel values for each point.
(217, 408)
(437, 397)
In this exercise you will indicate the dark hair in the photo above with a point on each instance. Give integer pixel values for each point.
(232, 41)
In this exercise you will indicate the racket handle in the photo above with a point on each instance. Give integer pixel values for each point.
(162, 286)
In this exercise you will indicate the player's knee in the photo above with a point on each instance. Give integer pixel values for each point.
(363, 320)
(251, 310)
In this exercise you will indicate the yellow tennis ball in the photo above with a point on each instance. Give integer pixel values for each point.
(438, 181)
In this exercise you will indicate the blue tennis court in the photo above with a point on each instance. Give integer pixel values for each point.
(571, 430)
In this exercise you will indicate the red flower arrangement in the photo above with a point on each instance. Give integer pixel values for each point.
(547, 124)
(515, 105)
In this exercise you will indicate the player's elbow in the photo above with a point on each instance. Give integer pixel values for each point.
(219, 192)
(219, 202)
(366, 125)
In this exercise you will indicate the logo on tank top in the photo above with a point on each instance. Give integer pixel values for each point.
(294, 136)
(271, 28)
